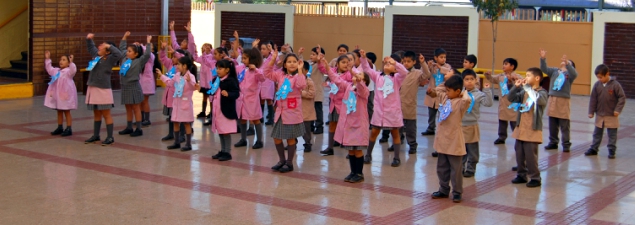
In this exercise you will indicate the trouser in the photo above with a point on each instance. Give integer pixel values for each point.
(307, 132)
(449, 168)
(410, 128)
(502, 128)
(432, 119)
(562, 125)
(319, 113)
(527, 159)
(597, 139)
(471, 158)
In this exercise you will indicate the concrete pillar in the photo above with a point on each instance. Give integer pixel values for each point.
(537, 12)
(164, 17)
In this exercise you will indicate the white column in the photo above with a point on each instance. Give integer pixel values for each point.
(537, 12)
(164, 17)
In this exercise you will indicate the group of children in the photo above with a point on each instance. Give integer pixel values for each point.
(232, 79)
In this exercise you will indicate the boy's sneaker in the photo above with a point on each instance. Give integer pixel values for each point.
(551, 147)
(534, 183)
(383, 140)
(328, 151)
(437, 195)
(391, 148)
(336, 144)
(395, 163)
(108, 141)
(456, 198)
(412, 150)
(126, 131)
(257, 145)
(357, 178)
(590, 152)
(319, 130)
(468, 174)
(57, 131)
(209, 122)
(137, 133)
(427, 133)
(201, 115)
(92, 139)
(519, 180)
(146, 123)
(499, 141)
(566, 150)
(251, 132)
(241, 143)
(217, 155)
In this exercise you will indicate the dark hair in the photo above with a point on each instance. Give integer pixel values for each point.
(536, 72)
(572, 63)
(340, 58)
(267, 43)
(366, 79)
(471, 59)
(137, 49)
(306, 66)
(410, 54)
(241, 42)
(468, 72)
(601, 70)
(284, 62)
(342, 46)
(187, 61)
(371, 56)
(254, 55)
(222, 50)
(456, 72)
(227, 64)
(314, 49)
(511, 61)
(357, 53)
(111, 44)
(454, 83)
(191, 67)
(400, 54)
(396, 57)
(439, 51)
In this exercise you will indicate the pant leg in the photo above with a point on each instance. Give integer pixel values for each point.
(307, 132)
(554, 128)
(319, 112)
(473, 156)
(520, 159)
(456, 177)
(513, 125)
(531, 158)
(502, 129)
(443, 173)
(432, 119)
(565, 129)
(371, 105)
(385, 134)
(597, 138)
(612, 132)
(410, 128)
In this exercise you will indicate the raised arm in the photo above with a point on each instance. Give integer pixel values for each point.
(92, 49)
(175, 44)
(123, 46)
(488, 99)
(115, 55)
(309, 91)
(362, 89)
(550, 71)
(402, 72)
(426, 74)
(367, 69)
(573, 74)
(148, 52)
(49, 67)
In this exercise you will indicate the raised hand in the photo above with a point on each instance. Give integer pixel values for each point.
(274, 51)
(389, 60)
(421, 58)
(188, 27)
(171, 25)
(126, 35)
(301, 50)
(70, 58)
(255, 43)
(164, 44)
(362, 53)
(223, 43)
(170, 49)
(236, 34)
(565, 60)
(519, 82)
(90, 36)
(47, 55)
(149, 38)
(158, 71)
(487, 85)
(543, 53)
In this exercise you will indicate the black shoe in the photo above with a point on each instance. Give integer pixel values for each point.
(348, 178)
(391, 148)
(251, 132)
(468, 174)
(167, 119)
(383, 140)
(499, 141)
(167, 138)
(257, 145)
(456, 198)
(209, 122)
(327, 123)
(427, 133)
(57, 131)
(136, 133)
(92, 139)
(278, 166)
(612, 156)
(412, 151)
(286, 168)
(209, 116)
(201, 115)
(566, 150)
(126, 131)
(174, 146)
(514, 168)
(108, 141)
(241, 143)
(67, 132)
(318, 130)
(534, 183)
(368, 159)
(435, 154)
(307, 147)
(357, 178)
(328, 151)
(269, 122)
(186, 148)
(551, 147)
(438, 195)
(217, 155)
(336, 144)
(225, 156)
(395, 162)
(519, 180)
(146, 123)
(590, 152)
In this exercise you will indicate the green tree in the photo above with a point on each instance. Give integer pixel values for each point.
(493, 9)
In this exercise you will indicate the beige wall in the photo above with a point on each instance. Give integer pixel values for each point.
(14, 35)
(329, 32)
(523, 39)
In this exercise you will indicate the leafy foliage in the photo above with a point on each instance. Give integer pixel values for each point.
(494, 8)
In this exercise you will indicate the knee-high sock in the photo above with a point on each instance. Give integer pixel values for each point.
(204, 106)
(170, 126)
(96, 128)
(188, 140)
(291, 148)
(138, 123)
(371, 146)
(129, 125)
(359, 165)
(176, 137)
(397, 148)
(147, 116)
(352, 163)
(259, 132)
(243, 131)
(109, 128)
(331, 139)
(280, 150)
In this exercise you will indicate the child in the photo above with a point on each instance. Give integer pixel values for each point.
(438, 71)
(225, 90)
(607, 101)
(559, 110)
(387, 114)
(505, 80)
(219, 54)
(99, 92)
(449, 143)
(207, 62)
(148, 86)
(342, 49)
(469, 62)
(61, 93)
(288, 119)
(308, 105)
(335, 99)
(175, 44)
(183, 112)
(471, 130)
(351, 130)
(131, 92)
(250, 77)
(168, 94)
(268, 87)
(372, 57)
(318, 81)
(529, 99)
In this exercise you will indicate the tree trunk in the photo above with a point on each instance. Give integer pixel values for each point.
(494, 32)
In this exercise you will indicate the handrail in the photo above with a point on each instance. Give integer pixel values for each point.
(14, 16)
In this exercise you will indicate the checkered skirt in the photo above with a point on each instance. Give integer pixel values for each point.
(287, 131)
(334, 116)
(131, 93)
(352, 148)
(100, 107)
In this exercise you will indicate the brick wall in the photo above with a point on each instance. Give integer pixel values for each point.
(61, 28)
(424, 34)
(619, 54)
(265, 26)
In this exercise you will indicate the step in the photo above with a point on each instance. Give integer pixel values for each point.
(19, 64)
(25, 55)
(15, 73)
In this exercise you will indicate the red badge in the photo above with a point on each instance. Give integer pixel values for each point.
(611, 91)
(292, 103)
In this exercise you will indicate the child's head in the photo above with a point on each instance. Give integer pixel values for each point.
(451, 73)
(469, 62)
(351, 60)
(134, 51)
(315, 54)
(366, 79)
(533, 76)
(252, 56)
(454, 87)
(342, 49)
(184, 43)
(65, 61)
(305, 67)
(241, 44)
(220, 53)
(184, 65)
(400, 53)
(440, 56)
(409, 59)
(342, 63)
(207, 48)
(225, 68)
(563, 65)
(357, 56)
(389, 68)
(372, 57)
(175, 57)
(601, 72)
(291, 63)
(102, 50)
(264, 49)
(469, 79)
(509, 65)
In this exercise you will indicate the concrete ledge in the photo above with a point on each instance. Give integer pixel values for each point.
(13, 91)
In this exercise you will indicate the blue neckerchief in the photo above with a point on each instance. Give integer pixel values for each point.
(214, 73)
(54, 78)
(438, 78)
(444, 110)
(310, 71)
(334, 88)
(351, 102)
(171, 72)
(469, 110)
(92, 63)
(241, 76)
(214, 86)
(284, 90)
(388, 87)
(125, 67)
(525, 107)
(515, 106)
(557, 85)
(178, 88)
(503, 86)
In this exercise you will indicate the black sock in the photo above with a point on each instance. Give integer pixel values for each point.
(351, 162)
(138, 123)
(147, 116)
(359, 165)
(182, 129)
(397, 149)
(59, 126)
(143, 116)
(280, 150)
(259, 132)
(371, 146)
(177, 140)
(291, 149)
(129, 125)
(170, 126)
(262, 108)
(331, 139)
(68, 127)
(188, 140)
(96, 127)
(243, 131)
(109, 128)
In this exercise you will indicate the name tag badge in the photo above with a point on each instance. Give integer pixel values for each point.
(184, 99)
(292, 103)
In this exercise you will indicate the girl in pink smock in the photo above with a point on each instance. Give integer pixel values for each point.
(224, 92)
(289, 123)
(184, 84)
(268, 87)
(336, 95)
(218, 54)
(61, 94)
(167, 99)
(148, 86)
(207, 62)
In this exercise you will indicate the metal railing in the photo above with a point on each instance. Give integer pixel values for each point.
(338, 10)
(545, 15)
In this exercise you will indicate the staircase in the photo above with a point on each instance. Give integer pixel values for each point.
(18, 69)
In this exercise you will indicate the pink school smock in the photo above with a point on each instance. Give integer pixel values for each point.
(352, 129)
(248, 104)
(387, 110)
(61, 94)
(146, 78)
(221, 125)
(336, 99)
(207, 61)
(267, 87)
(290, 108)
(182, 107)
(169, 89)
